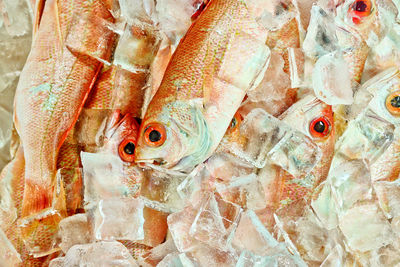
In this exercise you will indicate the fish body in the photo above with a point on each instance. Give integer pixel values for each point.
(60, 71)
(314, 119)
(201, 89)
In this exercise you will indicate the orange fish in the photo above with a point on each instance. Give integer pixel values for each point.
(222, 55)
(61, 68)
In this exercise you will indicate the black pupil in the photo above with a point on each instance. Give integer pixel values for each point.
(319, 127)
(233, 123)
(360, 6)
(155, 136)
(395, 102)
(129, 148)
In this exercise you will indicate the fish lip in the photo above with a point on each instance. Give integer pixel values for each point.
(148, 162)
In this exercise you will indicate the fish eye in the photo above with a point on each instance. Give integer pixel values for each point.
(393, 103)
(235, 122)
(320, 127)
(359, 10)
(155, 134)
(126, 150)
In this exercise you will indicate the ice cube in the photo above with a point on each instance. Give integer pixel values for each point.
(297, 154)
(351, 181)
(138, 10)
(119, 218)
(388, 194)
(245, 191)
(179, 225)
(251, 235)
(273, 92)
(213, 257)
(365, 228)
(161, 188)
(215, 222)
(366, 137)
(83, 41)
(102, 253)
(74, 230)
(136, 48)
(156, 254)
(296, 67)
(177, 260)
(174, 17)
(263, 132)
(321, 37)
(325, 206)
(105, 176)
(191, 187)
(331, 79)
(335, 257)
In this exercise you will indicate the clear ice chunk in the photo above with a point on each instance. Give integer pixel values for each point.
(74, 230)
(321, 37)
(136, 48)
(366, 137)
(335, 257)
(388, 194)
(137, 10)
(331, 79)
(296, 66)
(272, 92)
(177, 260)
(119, 218)
(215, 222)
(365, 228)
(105, 176)
(245, 191)
(179, 225)
(160, 188)
(251, 235)
(213, 257)
(102, 253)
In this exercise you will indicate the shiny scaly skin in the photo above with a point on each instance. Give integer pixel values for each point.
(53, 86)
(13, 174)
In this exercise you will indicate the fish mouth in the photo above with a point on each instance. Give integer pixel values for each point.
(147, 163)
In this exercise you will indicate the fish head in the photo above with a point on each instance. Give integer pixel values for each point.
(121, 136)
(361, 18)
(385, 95)
(176, 137)
(314, 118)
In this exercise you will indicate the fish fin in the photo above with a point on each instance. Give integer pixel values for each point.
(41, 215)
(37, 13)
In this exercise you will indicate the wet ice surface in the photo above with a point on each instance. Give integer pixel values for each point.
(97, 254)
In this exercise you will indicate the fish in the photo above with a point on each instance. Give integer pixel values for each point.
(201, 91)
(355, 21)
(60, 70)
(364, 147)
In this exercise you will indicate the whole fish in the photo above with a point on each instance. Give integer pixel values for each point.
(357, 21)
(66, 56)
(314, 119)
(201, 89)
